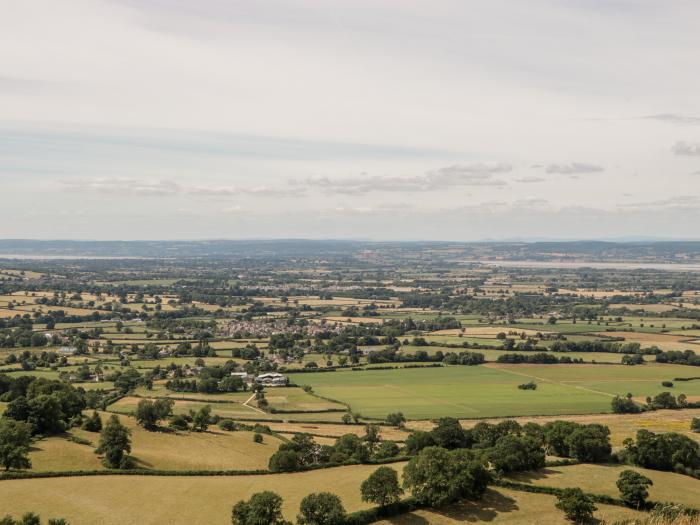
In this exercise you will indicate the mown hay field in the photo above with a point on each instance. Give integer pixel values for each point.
(178, 500)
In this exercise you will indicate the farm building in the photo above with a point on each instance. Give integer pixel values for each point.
(271, 379)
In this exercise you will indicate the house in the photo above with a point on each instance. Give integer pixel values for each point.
(67, 350)
(245, 377)
(271, 379)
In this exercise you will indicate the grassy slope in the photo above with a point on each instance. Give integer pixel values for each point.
(506, 506)
(601, 479)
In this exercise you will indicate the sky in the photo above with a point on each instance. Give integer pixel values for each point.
(365, 119)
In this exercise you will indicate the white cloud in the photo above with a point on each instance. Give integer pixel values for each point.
(166, 188)
(440, 179)
(686, 148)
(573, 168)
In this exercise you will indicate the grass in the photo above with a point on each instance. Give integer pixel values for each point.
(147, 500)
(601, 479)
(506, 506)
(162, 450)
(459, 391)
(640, 380)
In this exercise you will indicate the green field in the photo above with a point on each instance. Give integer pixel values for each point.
(458, 391)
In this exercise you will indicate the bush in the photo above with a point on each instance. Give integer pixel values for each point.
(695, 424)
(178, 423)
(257, 437)
(528, 386)
(227, 424)
(667, 384)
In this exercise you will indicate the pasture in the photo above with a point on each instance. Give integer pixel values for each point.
(458, 391)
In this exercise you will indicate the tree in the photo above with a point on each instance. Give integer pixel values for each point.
(285, 461)
(448, 433)
(372, 437)
(322, 508)
(419, 440)
(148, 412)
(200, 419)
(437, 476)
(381, 487)
(15, 438)
(115, 443)
(633, 488)
(263, 508)
(624, 405)
(93, 423)
(516, 453)
(555, 434)
(576, 505)
(695, 424)
(590, 443)
(396, 419)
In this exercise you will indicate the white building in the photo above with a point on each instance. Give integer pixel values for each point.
(271, 379)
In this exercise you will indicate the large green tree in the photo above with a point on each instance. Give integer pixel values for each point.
(15, 438)
(633, 488)
(576, 505)
(381, 487)
(263, 508)
(115, 443)
(322, 508)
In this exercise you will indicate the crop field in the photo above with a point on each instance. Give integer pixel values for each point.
(185, 500)
(459, 391)
(508, 507)
(668, 486)
(641, 380)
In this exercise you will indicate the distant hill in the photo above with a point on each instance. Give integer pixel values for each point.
(603, 251)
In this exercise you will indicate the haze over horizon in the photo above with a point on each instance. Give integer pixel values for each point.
(167, 119)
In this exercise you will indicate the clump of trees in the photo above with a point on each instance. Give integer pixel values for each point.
(149, 413)
(671, 451)
(437, 476)
(29, 518)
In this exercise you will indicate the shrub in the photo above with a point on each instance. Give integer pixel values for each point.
(257, 437)
(528, 386)
(227, 424)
